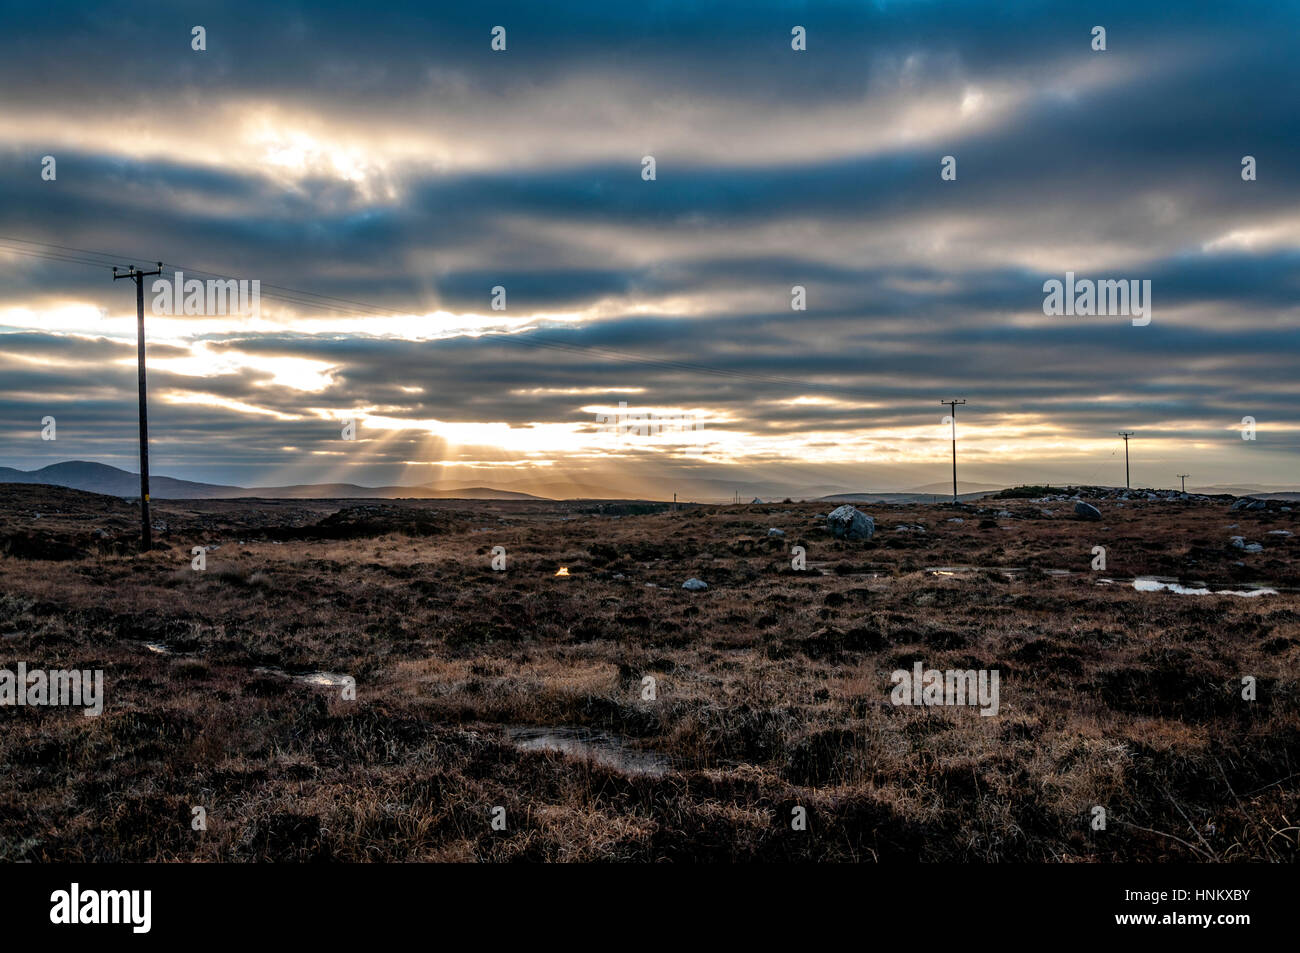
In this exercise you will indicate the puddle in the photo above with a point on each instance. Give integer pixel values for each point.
(960, 570)
(597, 746)
(321, 679)
(1160, 583)
(827, 568)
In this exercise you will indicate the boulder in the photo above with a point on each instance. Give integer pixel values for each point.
(846, 522)
(1086, 511)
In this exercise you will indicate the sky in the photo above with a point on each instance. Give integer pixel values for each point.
(381, 169)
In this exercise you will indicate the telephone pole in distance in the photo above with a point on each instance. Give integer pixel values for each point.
(146, 529)
(1126, 434)
(953, 416)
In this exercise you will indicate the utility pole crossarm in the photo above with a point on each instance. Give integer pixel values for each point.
(146, 528)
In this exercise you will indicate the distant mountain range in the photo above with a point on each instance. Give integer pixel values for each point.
(101, 478)
(111, 481)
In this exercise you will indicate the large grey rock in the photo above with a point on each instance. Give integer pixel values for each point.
(1086, 511)
(695, 585)
(846, 522)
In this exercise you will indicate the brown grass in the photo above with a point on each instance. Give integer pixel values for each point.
(772, 686)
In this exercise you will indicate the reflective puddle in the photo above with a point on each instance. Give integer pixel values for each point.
(1164, 584)
(320, 679)
(590, 745)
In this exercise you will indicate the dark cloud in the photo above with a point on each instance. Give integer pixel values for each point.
(1119, 165)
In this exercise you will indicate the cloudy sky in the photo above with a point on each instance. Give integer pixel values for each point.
(381, 169)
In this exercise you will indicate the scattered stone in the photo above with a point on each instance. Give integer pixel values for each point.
(1086, 511)
(846, 522)
(695, 585)
(775, 532)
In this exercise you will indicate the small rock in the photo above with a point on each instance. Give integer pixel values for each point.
(846, 522)
(1086, 511)
(695, 585)
(775, 532)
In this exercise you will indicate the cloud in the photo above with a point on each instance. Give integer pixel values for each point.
(391, 159)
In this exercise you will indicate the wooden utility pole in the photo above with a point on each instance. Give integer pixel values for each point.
(953, 416)
(1126, 434)
(146, 529)
(1183, 477)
